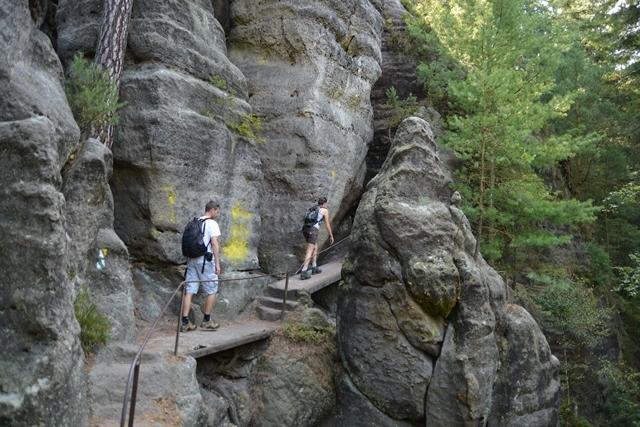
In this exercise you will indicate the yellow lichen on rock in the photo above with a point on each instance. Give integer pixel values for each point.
(172, 197)
(236, 249)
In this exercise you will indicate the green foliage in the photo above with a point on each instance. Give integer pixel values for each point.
(250, 127)
(301, 332)
(622, 393)
(570, 311)
(221, 83)
(627, 196)
(218, 81)
(568, 417)
(94, 326)
(629, 284)
(510, 53)
(93, 98)
(401, 108)
(600, 270)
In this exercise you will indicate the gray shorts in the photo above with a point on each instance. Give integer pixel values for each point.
(194, 272)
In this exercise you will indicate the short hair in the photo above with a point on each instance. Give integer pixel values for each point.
(211, 204)
(322, 200)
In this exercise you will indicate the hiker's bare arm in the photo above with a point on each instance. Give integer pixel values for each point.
(215, 246)
(327, 222)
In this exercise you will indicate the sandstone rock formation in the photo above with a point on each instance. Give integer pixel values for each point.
(168, 392)
(276, 383)
(177, 144)
(398, 72)
(89, 224)
(310, 66)
(41, 361)
(425, 330)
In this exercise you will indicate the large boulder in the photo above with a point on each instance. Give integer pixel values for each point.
(425, 329)
(41, 377)
(168, 392)
(178, 143)
(310, 66)
(293, 384)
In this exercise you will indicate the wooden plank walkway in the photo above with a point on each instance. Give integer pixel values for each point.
(200, 343)
(331, 273)
(232, 334)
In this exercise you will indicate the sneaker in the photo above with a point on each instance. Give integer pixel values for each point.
(315, 270)
(186, 327)
(305, 275)
(210, 325)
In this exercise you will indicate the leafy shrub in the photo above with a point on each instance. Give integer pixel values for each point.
(250, 127)
(568, 417)
(600, 269)
(622, 394)
(94, 326)
(571, 310)
(300, 332)
(92, 96)
(629, 284)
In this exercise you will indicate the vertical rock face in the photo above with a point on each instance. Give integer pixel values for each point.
(175, 147)
(398, 72)
(310, 66)
(425, 330)
(41, 379)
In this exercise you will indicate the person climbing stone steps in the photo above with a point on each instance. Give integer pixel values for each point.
(315, 216)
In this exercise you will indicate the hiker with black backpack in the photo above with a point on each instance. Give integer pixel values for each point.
(315, 216)
(201, 247)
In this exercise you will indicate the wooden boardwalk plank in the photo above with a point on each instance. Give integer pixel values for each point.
(200, 343)
(331, 273)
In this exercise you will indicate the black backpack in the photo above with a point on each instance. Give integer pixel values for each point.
(193, 239)
(311, 217)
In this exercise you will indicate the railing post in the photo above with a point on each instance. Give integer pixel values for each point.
(134, 393)
(175, 348)
(284, 297)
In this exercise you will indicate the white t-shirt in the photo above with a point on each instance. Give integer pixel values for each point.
(211, 229)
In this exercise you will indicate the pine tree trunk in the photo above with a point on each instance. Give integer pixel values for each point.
(110, 51)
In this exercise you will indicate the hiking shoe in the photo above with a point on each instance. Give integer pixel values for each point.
(316, 270)
(186, 327)
(305, 275)
(210, 325)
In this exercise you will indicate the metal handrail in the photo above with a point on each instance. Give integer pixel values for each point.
(134, 369)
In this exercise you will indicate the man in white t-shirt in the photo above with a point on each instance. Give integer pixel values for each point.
(206, 269)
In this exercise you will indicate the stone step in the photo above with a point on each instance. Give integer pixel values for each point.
(278, 293)
(277, 303)
(266, 313)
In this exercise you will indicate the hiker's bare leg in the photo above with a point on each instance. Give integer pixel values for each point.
(186, 305)
(209, 303)
(308, 256)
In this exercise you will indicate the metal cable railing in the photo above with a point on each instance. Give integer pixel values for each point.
(131, 388)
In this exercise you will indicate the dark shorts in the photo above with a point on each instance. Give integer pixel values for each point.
(310, 235)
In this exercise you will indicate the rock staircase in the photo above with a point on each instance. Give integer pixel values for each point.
(270, 306)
